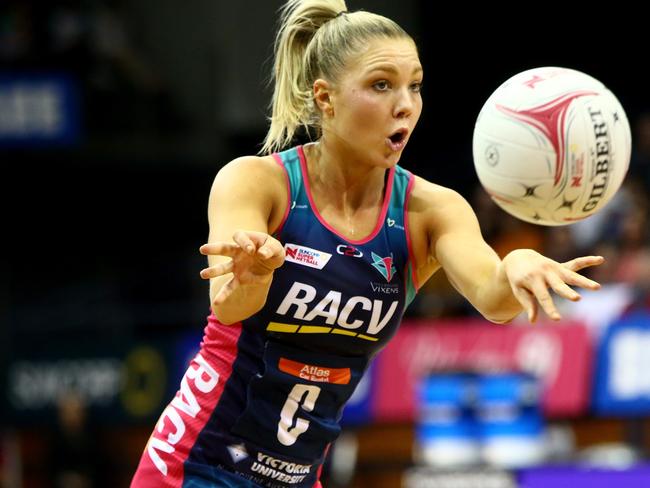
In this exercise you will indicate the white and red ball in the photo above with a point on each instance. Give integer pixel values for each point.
(552, 145)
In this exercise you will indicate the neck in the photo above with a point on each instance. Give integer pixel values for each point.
(342, 181)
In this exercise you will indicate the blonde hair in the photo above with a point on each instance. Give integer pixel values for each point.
(316, 38)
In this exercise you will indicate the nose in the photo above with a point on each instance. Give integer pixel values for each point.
(404, 104)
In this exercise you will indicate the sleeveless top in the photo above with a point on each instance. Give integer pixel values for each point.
(332, 306)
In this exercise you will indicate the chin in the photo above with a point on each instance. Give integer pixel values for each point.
(391, 159)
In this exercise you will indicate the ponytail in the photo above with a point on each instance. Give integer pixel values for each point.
(292, 103)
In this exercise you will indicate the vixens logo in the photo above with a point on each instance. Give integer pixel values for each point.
(384, 266)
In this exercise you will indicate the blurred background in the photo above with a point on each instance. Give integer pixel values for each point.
(115, 115)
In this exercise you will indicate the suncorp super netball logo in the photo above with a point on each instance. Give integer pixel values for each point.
(306, 256)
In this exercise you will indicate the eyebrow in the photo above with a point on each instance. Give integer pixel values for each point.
(391, 69)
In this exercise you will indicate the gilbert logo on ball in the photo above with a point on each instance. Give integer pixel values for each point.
(552, 145)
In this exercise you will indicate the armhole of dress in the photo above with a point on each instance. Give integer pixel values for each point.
(407, 232)
(278, 159)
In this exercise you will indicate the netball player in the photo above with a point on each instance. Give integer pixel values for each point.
(314, 253)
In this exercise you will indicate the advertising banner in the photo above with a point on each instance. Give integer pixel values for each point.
(115, 382)
(622, 382)
(559, 355)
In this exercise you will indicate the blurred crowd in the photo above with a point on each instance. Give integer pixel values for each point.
(96, 43)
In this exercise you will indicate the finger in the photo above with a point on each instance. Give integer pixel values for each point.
(561, 288)
(217, 270)
(544, 298)
(576, 279)
(265, 253)
(527, 301)
(220, 249)
(268, 250)
(583, 262)
(244, 241)
(226, 290)
(258, 238)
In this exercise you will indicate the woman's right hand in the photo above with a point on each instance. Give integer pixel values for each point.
(253, 258)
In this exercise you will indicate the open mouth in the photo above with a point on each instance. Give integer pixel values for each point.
(397, 139)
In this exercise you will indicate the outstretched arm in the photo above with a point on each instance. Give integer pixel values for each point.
(499, 289)
(242, 255)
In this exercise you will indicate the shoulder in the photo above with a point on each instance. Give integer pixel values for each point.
(259, 174)
(251, 168)
(437, 209)
(429, 197)
(252, 181)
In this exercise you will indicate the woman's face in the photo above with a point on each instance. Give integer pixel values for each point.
(376, 102)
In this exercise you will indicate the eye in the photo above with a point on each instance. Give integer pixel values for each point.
(381, 85)
(416, 87)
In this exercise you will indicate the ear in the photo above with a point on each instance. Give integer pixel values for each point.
(322, 97)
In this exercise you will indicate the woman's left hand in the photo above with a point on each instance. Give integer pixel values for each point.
(531, 275)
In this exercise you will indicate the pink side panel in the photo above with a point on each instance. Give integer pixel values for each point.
(181, 422)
